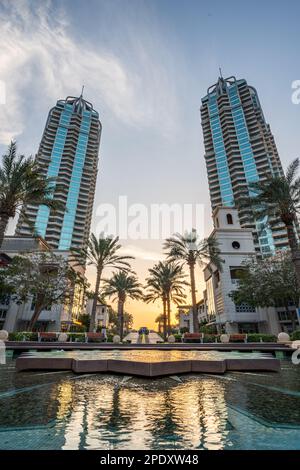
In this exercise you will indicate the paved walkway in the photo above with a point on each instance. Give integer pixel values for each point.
(135, 338)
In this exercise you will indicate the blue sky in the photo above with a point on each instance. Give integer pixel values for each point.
(145, 66)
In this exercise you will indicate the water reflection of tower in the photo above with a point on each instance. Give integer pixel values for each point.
(99, 417)
(139, 415)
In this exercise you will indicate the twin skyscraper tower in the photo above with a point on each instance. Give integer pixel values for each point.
(69, 152)
(239, 149)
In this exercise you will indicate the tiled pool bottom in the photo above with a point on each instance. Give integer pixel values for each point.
(60, 410)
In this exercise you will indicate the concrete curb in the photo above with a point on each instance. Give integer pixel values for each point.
(145, 369)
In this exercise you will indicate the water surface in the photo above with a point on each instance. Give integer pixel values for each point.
(61, 410)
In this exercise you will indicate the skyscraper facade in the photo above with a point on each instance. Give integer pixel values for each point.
(68, 152)
(239, 149)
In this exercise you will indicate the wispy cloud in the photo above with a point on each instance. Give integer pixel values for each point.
(41, 59)
(141, 253)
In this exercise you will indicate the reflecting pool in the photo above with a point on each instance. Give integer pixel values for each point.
(61, 410)
(152, 355)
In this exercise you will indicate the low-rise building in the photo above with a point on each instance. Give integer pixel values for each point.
(216, 308)
(185, 314)
(185, 317)
(16, 317)
(102, 313)
(236, 246)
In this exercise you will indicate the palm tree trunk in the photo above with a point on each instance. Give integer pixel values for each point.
(194, 302)
(165, 317)
(95, 301)
(169, 314)
(294, 250)
(3, 226)
(121, 317)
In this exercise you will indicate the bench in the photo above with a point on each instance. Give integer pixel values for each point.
(193, 337)
(43, 335)
(238, 337)
(94, 337)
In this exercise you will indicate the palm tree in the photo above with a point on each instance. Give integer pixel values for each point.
(101, 253)
(190, 250)
(166, 282)
(122, 285)
(21, 183)
(160, 320)
(156, 292)
(128, 321)
(278, 197)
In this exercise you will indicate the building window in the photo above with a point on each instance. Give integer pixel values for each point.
(236, 245)
(236, 273)
(285, 316)
(217, 278)
(229, 219)
(282, 316)
(244, 308)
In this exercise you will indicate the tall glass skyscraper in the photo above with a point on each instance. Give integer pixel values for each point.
(239, 149)
(69, 152)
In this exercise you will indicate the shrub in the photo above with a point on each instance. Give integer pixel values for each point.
(295, 335)
(174, 331)
(177, 338)
(210, 339)
(23, 336)
(210, 330)
(110, 338)
(258, 337)
(78, 329)
(77, 337)
(184, 329)
(13, 337)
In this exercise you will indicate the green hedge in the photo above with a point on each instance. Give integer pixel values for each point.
(23, 336)
(210, 338)
(295, 335)
(209, 330)
(184, 329)
(258, 337)
(76, 337)
(177, 337)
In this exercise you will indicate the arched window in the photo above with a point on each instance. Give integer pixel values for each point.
(229, 219)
